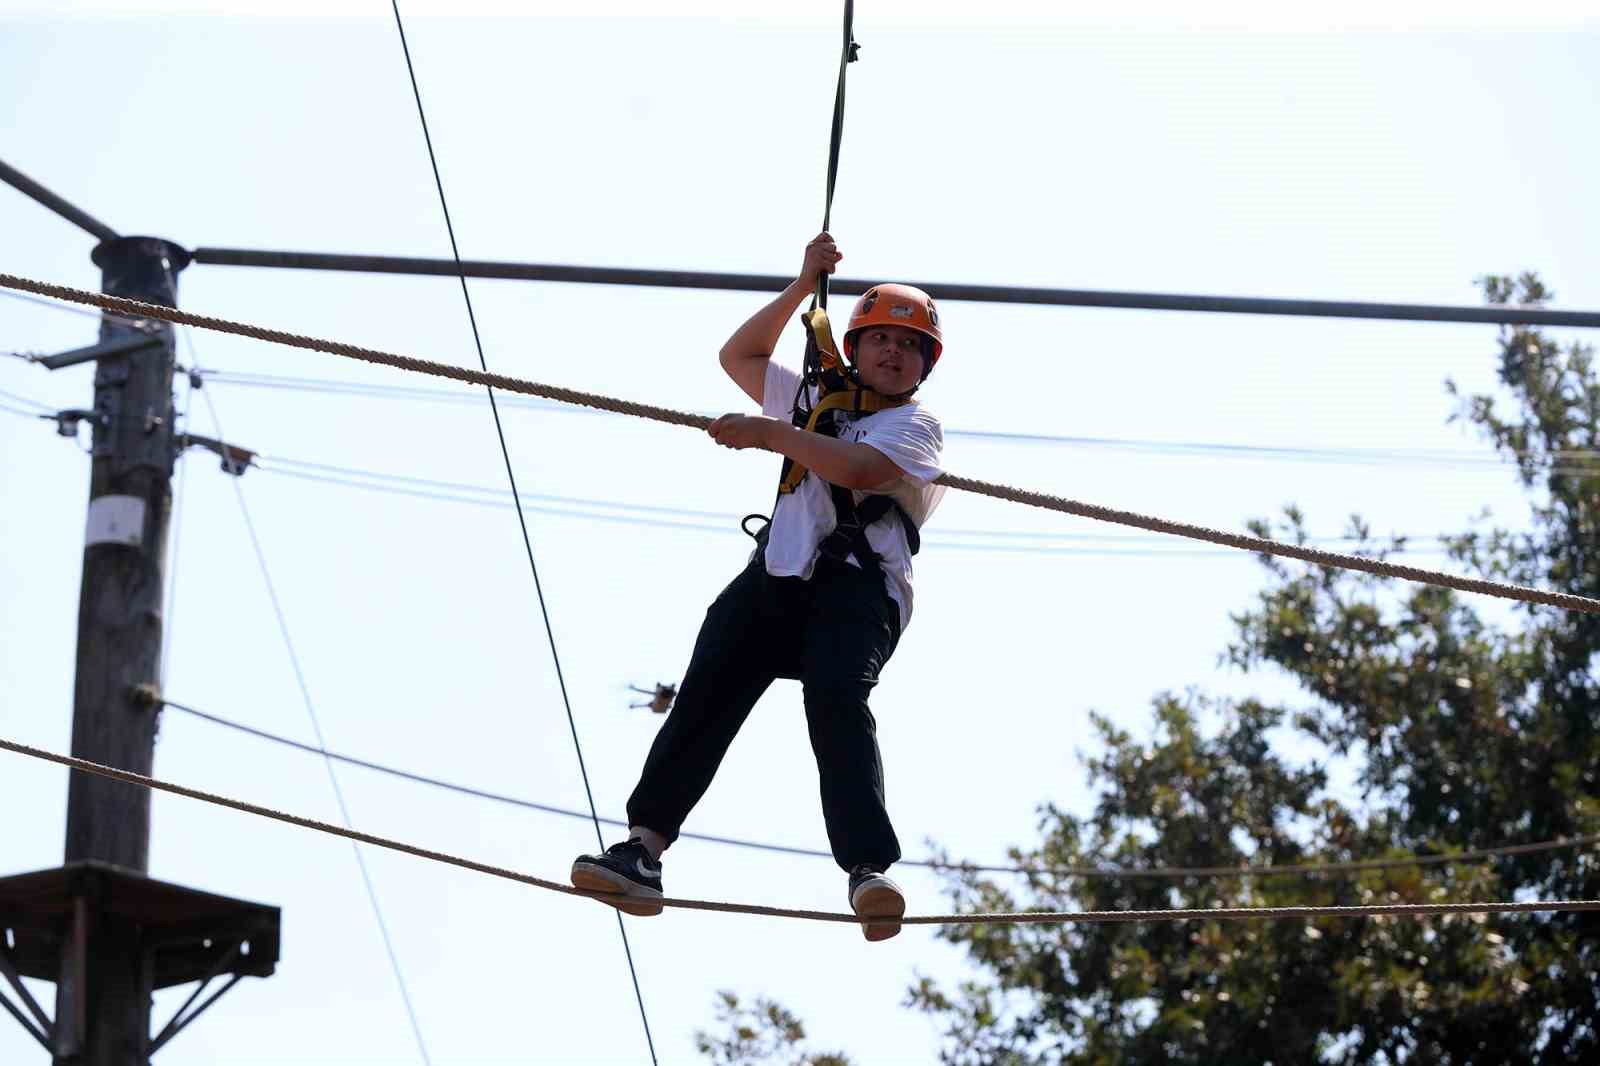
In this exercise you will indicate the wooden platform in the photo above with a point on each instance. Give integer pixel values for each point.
(187, 935)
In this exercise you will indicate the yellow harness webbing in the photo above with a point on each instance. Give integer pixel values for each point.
(850, 397)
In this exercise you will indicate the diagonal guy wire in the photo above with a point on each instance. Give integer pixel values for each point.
(316, 726)
(522, 519)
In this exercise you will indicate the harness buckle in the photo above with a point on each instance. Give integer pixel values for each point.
(838, 546)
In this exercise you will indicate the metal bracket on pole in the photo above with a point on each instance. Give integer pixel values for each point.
(45, 1027)
(67, 421)
(182, 1017)
(235, 460)
(23, 1020)
(103, 350)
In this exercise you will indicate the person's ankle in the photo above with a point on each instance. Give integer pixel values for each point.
(654, 843)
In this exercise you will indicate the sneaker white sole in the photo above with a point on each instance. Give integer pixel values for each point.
(628, 896)
(884, 905)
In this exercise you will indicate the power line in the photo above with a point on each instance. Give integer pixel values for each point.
(1078, 544)
(39, 301)
(726, 523)
(127, 320)
(316, 726)
(497, 797)
(1342, 456)
(333, 387)
(274, 461)
(28, 401)
(396, 490)
(1275, 870)
(731, 529)
(18, 411)
(522, 521)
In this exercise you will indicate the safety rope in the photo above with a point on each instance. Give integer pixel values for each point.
(836, 135)
(150, 697)
(982, 918)
(654, 413)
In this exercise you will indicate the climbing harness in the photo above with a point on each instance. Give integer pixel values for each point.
(849, 536)
(837, 383)
(840, 398)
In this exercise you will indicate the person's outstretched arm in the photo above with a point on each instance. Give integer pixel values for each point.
(746, 353)
(850, 464)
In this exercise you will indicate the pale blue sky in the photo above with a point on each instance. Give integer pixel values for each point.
(1391, 166)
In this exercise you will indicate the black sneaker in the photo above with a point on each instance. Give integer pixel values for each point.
(624, 871)
(873, 895)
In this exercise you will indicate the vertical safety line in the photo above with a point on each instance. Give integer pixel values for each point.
(522, 520)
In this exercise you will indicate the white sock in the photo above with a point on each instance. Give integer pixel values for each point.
(654, 843)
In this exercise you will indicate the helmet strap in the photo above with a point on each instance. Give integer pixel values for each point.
(847, 369)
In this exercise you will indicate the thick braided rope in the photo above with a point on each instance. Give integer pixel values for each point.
(1273, 547)
(138, 309)
(1024, 917)
(135, 308)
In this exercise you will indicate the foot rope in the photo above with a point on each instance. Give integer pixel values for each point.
(1010, 918)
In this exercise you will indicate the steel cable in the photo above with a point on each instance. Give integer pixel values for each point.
(1088, 872)
(522, 519)
(316, 725)
(1574, 462)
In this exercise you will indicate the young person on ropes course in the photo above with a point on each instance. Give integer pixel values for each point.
(825, 595)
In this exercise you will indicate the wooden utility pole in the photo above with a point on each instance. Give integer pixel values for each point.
(119, 635)
(124, 558)
(97, 926)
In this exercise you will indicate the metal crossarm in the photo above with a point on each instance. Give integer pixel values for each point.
(43, 196)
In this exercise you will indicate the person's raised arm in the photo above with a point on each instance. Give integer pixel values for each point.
(746, 353)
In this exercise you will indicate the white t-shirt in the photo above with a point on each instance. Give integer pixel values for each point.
(910, 436)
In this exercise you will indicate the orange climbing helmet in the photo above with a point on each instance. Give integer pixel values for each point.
(896, 305)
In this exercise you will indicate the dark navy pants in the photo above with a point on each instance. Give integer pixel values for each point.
(834, 634)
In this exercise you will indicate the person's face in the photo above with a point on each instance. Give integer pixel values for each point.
(889, 358)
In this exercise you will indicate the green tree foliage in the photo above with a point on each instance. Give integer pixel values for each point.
(762, 1032)
(1468, 726)
(1465, 724)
